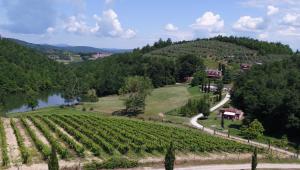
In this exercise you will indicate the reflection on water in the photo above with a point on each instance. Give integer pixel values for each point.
(17, 103)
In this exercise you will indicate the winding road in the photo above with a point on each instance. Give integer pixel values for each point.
(194, 122)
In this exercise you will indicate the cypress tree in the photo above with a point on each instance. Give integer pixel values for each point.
(53, 160)
(222, 120)
(170, 157)
(254, 160)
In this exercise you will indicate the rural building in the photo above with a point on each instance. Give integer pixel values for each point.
(213, 74)
(231, 113)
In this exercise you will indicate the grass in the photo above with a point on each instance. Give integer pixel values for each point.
(161, 100)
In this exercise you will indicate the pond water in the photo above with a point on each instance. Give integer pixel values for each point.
(17, 103)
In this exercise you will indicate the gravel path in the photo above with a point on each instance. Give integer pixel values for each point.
(234, 167)
(194, 122)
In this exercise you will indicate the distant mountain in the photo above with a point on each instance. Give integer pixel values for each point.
(46, 48)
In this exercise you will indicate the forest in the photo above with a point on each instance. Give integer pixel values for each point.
(271, 94)
(23, 69)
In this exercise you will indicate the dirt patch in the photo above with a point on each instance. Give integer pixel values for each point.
(13, 148)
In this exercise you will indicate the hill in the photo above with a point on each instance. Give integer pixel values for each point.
(46, 48)
(23, 69)
(221, 49)
(167, 62)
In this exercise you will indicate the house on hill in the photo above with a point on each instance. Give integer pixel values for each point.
(231, 113)
(216, 74)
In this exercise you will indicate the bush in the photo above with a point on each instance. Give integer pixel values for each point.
(91, 108)
(84, 109)
(195, 106)
(112, 163)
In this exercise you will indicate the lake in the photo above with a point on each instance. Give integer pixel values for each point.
(17, 103)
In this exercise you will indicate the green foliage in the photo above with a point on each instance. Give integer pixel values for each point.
(24, 151)
(271, 94)
(262, 46)
(71, 143)
(187, 65)
(63, 152)
(22, 68)
(254, 131)
(5, 158)
(53, 160)
(134, 92)
(199, 78)
(170, 157)
(195, 106)
(254, 160)
(112, 163)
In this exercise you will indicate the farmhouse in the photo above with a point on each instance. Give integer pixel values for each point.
(213, 73)
(231, 113)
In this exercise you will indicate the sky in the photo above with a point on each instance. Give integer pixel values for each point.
(135, 23)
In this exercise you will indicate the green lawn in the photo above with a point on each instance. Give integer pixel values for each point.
(161, 100)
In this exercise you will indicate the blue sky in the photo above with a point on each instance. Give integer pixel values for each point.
(135, 23)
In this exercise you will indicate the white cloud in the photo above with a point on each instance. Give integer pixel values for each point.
(272, 10)
(290, 31)
(76, 25)
(291, 20)
(247, 23)
(210, 22)
(50, 30)
(111, 26)
(171, 27)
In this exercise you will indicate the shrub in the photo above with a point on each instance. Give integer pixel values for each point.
(112, 163)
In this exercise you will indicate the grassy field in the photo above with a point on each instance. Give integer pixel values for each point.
(160, 101)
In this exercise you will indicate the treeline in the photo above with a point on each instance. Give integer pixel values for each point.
(271, 94)
(157, 45)
(23, 69)
(262, 47)
(107, 75)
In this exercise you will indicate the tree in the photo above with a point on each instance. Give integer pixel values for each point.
(134, 93)
(53, 161)
(254, 160)
(199, 78)
(187, 65)
(222, 120)
(220, 87)
(254, 131)
(31, 99)
(170, 157)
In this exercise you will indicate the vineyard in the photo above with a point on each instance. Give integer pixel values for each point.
(82, 136)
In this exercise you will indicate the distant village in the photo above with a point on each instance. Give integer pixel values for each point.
(67, 57)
